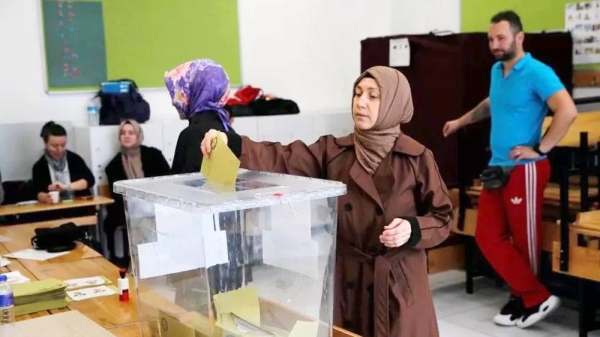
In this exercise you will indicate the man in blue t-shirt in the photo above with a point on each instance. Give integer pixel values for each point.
(509, 217)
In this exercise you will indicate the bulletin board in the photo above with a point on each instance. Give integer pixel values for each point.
(544, 15)
(90, 41)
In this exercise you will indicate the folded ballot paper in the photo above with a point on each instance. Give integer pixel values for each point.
(238, 312)
(39, 296)
(222, 166)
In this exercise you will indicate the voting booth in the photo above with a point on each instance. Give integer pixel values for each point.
(255, 258)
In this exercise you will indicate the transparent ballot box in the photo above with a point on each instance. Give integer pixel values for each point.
(252, 259)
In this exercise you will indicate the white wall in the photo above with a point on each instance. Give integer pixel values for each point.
(308, 51)
(423, 16)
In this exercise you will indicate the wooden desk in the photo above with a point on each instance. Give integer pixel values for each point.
(21, 235)
(119, 318)
(585, 122)
(81, 262)
(39, 207)
(98, 201)
(551, 195)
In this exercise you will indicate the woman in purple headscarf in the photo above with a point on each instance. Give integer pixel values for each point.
(199, 90)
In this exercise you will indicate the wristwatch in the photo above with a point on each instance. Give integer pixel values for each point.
(536, 148)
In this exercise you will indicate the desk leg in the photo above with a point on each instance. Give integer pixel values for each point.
(100, 231)
(469, 264)
(586, 308)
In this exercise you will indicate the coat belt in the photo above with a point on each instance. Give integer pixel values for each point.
(384, 281)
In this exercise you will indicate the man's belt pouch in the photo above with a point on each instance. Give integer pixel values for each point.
(495, 176)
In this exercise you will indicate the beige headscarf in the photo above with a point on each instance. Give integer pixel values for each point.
(396, 108)
(132, 158)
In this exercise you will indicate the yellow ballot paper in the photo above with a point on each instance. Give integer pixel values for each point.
(222, 166)
(238, 311)
(305, 329)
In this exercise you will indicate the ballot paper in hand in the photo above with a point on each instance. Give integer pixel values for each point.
(222, 166)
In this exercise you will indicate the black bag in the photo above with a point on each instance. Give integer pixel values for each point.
(495, 176)
(58, 239)
(273, 107)
(116, 107)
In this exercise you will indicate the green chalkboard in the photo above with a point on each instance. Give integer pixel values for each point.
(141, 39)
(536, 15)
(74, 40)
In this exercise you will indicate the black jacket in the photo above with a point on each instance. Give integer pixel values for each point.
(40, 180)
(188, 156)
(154, 164)
(77, 170)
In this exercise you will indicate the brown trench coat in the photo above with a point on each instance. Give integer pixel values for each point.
(379, 292)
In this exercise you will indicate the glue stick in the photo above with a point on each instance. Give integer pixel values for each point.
(123, 284)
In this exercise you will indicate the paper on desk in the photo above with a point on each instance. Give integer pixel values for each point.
(242, 303)
(4, 239)
(15, 277)
(87, 293)
(85, 282)
(33, 254)
(305, 329)
(4, 262)
(222, 166)
(295, 255)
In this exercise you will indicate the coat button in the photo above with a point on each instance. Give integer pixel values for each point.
(347, 324)
(379, 211)
(350, 285)
(348, 207)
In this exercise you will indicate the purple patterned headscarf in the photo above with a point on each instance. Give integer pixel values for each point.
(198, 86)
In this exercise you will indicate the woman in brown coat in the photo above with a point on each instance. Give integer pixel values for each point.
(397, 206)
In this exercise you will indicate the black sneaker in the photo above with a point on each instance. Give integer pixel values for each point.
(539, 312)
(511, 312)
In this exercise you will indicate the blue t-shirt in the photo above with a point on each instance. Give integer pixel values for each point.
(518, 106)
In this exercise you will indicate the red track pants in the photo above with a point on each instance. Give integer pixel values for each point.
(509, 229)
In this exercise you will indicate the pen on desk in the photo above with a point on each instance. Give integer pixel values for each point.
(123, 283)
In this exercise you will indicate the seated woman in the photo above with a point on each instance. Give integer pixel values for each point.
(61, 170)
(134, 161)
(396, 207)
(199, 90)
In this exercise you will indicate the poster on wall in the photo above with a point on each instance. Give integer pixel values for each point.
(582, 19)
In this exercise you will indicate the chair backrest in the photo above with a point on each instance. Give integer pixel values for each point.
(15, 191)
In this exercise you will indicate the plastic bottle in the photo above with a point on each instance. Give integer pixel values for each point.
(93, 111)
(7, 302)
